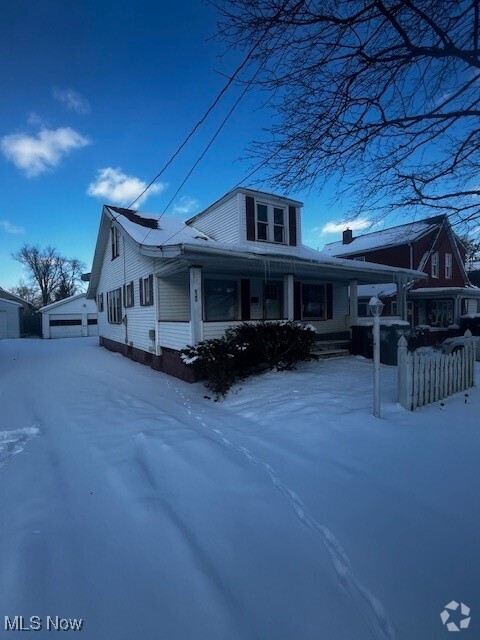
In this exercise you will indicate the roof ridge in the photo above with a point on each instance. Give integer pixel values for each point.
(439, 218)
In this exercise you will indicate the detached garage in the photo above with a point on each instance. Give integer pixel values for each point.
(9, 319)
(74, 317)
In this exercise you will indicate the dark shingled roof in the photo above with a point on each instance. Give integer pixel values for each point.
(149, 223)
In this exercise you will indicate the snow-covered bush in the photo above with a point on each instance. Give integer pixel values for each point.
(280, 345)
(214, 362)
(245, 348)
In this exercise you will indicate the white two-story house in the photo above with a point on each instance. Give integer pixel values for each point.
(162, 284)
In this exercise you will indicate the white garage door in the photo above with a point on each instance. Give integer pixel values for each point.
(66, 325)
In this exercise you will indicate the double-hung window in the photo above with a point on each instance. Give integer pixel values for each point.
(270, 223)
(435, 265)
(114, 306)
(146, 291)
(128, 295)
(448, 266)
(314, 305)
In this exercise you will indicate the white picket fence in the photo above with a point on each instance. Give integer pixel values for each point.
(425, 378)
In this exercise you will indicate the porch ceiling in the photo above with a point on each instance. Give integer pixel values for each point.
(270, 267)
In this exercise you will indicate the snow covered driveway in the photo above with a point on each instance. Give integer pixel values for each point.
(285, 512)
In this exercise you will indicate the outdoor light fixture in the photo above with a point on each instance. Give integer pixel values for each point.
(375, 306)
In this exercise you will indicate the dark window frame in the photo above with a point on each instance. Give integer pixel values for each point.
(114, 306)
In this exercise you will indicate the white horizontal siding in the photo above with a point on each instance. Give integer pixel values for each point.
(174, 335)
(174, 298)
(341, 311)
(10, 323)
(129, 265)
(222, 222)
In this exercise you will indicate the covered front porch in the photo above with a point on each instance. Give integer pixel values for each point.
(441, 307)
(198, 298)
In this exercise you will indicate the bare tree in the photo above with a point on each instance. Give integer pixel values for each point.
(381, 96)
(27, 292)
(55, 276)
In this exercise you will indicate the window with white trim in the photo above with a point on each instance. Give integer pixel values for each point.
(221, 300)
(270, 225)
(273, 300)
(115, 242)
(129, 299)
(314, 304)
(146, 291)
(435, 265)
(114, 306)
(448, 266)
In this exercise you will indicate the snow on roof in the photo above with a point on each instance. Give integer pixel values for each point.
(17, 304)
(386, 238)
(150, 230)
(63, 301)
(379, 290)
(170, 231)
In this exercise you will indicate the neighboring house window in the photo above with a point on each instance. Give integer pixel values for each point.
(435, 264)
(128, 295)
(146, 291)
(448, 265)
(115, 241)
(314, 301)
(114, 306)
(440, 313)
(273, 301)
(362, 309)
(270, 223)
(220, 300)
(100, 302)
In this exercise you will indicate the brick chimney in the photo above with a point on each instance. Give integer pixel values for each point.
(347, 236)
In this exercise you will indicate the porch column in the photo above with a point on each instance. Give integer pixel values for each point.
(195, 304)
(288, 296)
(457, 309)
(353, 301)
(401, 299)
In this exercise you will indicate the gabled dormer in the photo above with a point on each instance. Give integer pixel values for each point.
(246, 215)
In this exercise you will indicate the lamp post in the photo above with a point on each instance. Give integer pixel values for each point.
(375, 306)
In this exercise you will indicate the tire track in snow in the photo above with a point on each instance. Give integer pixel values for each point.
(370, 606)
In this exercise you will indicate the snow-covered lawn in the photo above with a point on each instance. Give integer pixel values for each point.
(285, 512)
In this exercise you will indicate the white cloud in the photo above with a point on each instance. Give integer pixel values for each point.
(36, 154)
(10, 228)
(72, 100)
(116, 187)
(185, 206)
(337, 227)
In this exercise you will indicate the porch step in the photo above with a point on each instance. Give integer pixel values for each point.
(324, 354)
(320, 345)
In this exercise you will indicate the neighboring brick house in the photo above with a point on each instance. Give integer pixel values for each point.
(425, 245)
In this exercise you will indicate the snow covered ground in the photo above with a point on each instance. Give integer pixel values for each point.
(286, 511)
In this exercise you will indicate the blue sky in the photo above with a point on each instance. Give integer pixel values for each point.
(97, 96)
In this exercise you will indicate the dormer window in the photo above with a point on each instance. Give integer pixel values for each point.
(270, 223)
(115, 242)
